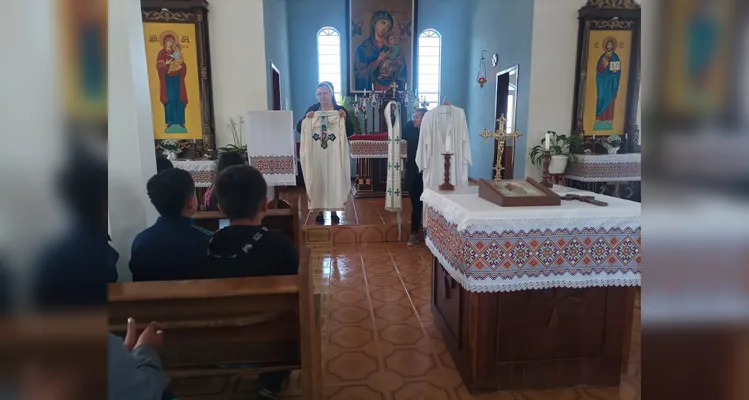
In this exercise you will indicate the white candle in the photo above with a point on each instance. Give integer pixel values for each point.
(406, 87)
(373, 87)
(356, 98)
(547, 141)
(448, 144)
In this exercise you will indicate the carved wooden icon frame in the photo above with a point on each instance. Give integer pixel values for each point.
(190, 12)
(616, 16)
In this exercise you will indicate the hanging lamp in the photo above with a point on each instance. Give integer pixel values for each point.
(481, 79)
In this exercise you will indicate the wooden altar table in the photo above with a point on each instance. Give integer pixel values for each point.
(371, 153)
(533, 297)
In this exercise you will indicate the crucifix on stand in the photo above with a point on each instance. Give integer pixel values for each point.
(393, 86)
(501, 136)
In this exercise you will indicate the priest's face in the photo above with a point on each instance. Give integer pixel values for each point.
(417, 119)
(324, 96)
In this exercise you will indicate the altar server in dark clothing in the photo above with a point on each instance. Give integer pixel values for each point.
(174, 247)
(414, 180)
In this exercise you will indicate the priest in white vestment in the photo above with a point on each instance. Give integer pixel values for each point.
(324, 155)
(444, 130)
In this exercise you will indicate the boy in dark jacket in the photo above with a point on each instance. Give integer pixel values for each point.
(174, 247)
(245, 247)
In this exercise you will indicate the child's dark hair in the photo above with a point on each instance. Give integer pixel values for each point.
(240, 191)
(229, 159)
(83, 187)
(162, 163)
(421, 110)
(170, 190)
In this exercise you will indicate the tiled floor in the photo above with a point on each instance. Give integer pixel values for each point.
(379, 338)
(358, 211)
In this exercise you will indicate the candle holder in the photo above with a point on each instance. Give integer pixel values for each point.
(546, 180)
(446, 185)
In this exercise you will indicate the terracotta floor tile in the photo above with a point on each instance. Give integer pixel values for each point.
(421, 391)
(380, 341)
(358, 392)
(348, 315)
(350, 366)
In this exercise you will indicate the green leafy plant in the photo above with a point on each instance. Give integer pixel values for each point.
(236, 132)
(559, 145)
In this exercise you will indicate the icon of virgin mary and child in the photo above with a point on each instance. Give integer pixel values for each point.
(379, 59)
(172, 71)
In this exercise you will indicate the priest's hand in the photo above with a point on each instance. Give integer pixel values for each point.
(342, 113)
(310, 114)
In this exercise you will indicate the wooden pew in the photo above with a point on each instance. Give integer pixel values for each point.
(284, 220)
(269, 322)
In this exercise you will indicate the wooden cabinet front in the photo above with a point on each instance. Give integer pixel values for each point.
(533, 339)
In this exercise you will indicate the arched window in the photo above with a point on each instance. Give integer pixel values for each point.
(430, 56)
(329, 57)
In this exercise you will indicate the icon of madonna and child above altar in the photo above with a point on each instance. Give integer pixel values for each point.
(381, 45)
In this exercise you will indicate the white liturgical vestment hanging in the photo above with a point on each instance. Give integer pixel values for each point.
(393, 200)
(444, 130)
(324, 155)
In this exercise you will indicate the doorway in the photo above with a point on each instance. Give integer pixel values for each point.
(275, 78)
(505, 104)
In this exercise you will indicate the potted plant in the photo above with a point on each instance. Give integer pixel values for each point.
(559, 149)
(612, 143)
(236, 132)
(171, 147)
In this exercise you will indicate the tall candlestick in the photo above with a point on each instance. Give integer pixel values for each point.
(547, 141)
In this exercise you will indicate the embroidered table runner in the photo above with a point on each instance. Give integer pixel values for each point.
(203, 171)
(373, 148)
(271, 146)
(605, 168)
(488, 248)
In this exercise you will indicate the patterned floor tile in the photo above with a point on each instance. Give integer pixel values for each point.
(380, 341)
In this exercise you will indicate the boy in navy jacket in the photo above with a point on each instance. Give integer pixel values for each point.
(174, 247)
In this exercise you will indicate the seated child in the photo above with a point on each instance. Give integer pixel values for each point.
(174, 247)
(246, 248)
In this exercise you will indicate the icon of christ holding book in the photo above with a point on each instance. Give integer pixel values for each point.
(608, 75)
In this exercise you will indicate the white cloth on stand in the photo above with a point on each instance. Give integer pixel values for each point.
(393, 200)
(324, 155)
(444, 129)
(271, 146)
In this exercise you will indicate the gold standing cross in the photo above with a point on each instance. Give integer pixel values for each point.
(501, 136)
(393, 87)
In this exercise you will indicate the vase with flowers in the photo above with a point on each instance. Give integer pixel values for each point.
(613, 143)
(171, 148)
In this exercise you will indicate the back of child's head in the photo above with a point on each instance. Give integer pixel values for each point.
(241, 191)
(170, 191)
(83, 187)
(162, 163)
(229, 159)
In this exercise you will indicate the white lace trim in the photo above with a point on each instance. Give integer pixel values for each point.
(195, 165)
(604, 178)
(620, 279)
(452, 213)
(633, 158)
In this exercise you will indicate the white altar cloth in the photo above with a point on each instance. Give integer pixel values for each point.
(488, 248)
